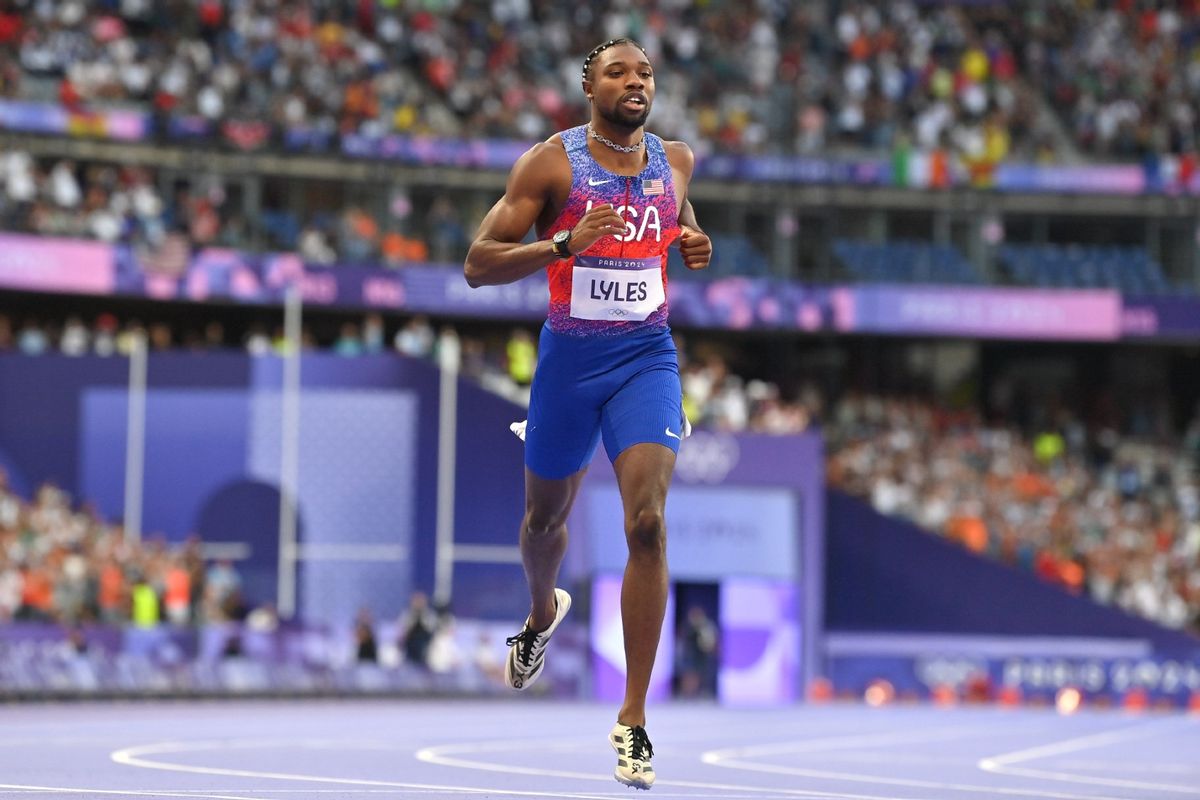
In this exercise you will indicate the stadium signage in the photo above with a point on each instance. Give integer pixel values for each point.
(30, 263)
(1168, 679)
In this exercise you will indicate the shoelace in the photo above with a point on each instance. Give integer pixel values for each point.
(640, 742)
(526, 639)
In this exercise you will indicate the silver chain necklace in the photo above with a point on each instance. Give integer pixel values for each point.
(633, 148)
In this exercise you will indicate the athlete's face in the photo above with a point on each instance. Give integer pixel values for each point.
(622, 86)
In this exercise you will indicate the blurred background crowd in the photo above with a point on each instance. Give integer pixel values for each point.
(944, 93)
(1049, 79)
(166, 221)
(1105, 506)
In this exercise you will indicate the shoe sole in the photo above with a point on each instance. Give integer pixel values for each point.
(563, 601)
(632, 784)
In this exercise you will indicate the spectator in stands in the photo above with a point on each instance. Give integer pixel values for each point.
(365, 646)
(177, 591)
(146, 610)
(258, 343)
(696, 655)
(448, 239)
(104, 335)
(32, 339)
(75, 338)
(444, 655)
(415, 338)
(373, 333)
(348, 343)
(112, 591)
(12, 587)
(416, 627)
(222, 592)
(521, 352)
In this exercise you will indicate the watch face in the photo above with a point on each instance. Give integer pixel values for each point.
(562, 236)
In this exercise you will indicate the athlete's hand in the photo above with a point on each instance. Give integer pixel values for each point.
(601, 220)
(695, 247)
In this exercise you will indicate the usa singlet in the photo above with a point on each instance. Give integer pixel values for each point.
(607, 365)
(618, 284)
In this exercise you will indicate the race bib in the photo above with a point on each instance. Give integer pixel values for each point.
(616, 289)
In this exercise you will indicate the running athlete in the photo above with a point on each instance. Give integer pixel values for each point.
(607, 200)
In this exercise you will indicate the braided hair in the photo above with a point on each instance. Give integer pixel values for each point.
(587, 62)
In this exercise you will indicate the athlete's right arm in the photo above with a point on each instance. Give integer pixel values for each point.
(497, 255)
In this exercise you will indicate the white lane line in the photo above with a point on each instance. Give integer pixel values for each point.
(1003, 764)
(441, 755)
(119, 792)
(214, 792)
(25, 741)
(736, 758)
(204, 793)
(341, 791)
(1159, 767)
(135, 757)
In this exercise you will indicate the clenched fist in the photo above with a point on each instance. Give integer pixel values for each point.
(601, 220)
(695, 247)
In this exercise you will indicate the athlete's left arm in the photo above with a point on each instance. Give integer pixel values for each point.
(694, 244)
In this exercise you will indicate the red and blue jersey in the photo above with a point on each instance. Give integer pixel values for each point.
(618, 285)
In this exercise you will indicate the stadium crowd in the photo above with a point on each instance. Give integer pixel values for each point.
(1123, 75)
(761, 77)
(62, 563)
(123, 204)
(1113, 515)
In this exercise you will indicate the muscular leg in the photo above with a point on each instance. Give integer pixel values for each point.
(544, 539)
(643, 475)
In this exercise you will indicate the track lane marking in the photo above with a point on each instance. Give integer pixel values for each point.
(736, 758)
(121, 792)
(1003, 764)
(134, 757)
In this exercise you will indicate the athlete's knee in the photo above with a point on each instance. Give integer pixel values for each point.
(646, 531)
(540, 522)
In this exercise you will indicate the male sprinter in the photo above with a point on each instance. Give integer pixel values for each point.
(608, 199)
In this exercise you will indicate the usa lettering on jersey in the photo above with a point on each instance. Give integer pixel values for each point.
(635, 231)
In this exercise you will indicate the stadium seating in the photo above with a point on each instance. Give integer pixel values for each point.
(904, 262)
(1128, 269)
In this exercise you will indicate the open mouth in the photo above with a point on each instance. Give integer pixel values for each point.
(633, 102)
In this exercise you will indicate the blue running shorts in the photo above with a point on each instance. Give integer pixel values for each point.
(624, 388)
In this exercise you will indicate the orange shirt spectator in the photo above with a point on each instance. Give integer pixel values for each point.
(971, 532)
(37, 595)
(111, 592)
(398, 249)
(177, 596)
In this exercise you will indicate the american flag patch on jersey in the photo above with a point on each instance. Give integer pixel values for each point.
(651, 186)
